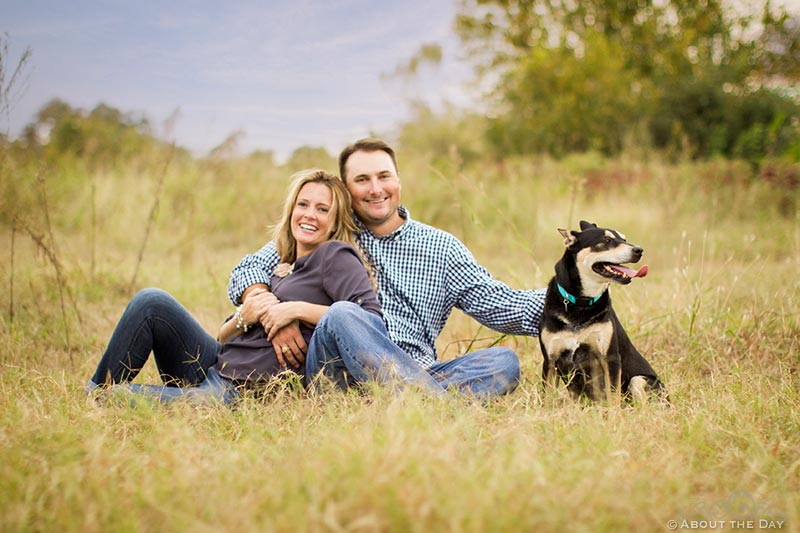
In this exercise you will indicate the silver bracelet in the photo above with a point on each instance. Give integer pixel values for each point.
(239, 320)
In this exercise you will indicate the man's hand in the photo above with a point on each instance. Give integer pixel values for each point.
(289, 344)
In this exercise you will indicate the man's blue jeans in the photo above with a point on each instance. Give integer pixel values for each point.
(351, 346)
(156, 322)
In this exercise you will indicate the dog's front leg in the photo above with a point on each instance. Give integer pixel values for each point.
(613, 378)
(554, 347)
(549, 373)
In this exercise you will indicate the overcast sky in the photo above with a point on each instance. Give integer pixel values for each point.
(286, 72)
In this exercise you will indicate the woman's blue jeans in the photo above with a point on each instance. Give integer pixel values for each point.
(214, 388)
(155, 322)
(351, 345)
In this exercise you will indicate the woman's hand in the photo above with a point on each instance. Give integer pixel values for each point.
(257, 304)
(282, 324)
(288, 342)
(278, 316)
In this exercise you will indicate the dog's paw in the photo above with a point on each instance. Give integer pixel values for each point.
(637, 388)
(642, 390)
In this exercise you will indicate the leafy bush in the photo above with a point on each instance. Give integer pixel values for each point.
(578, 76)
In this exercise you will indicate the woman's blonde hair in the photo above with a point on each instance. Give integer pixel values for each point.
(343, 225)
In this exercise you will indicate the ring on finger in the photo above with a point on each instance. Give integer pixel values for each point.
(285, 349)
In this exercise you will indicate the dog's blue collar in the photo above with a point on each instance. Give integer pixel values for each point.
(568, 298)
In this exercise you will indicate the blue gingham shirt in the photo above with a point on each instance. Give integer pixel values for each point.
(422, 273)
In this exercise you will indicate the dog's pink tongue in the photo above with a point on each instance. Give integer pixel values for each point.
(631, 273)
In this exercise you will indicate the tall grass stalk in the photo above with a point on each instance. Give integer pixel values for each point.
(12, 80)
(93, 226)
(52, 251)
(161, 177)
(11, 249)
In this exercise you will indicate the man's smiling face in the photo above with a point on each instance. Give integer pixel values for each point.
(374, 186)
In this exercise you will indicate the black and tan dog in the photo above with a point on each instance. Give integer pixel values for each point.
(581, 337)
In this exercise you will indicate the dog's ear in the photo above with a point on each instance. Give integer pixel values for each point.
(587, 225)
(569, 237)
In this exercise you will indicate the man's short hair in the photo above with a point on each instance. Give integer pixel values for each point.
(367, 144)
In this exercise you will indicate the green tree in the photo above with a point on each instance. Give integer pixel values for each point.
(573, 76)
(103, 136)
(556, 102)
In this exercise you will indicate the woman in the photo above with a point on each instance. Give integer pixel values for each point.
(320, 265)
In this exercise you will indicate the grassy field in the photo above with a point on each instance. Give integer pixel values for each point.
(717, 317)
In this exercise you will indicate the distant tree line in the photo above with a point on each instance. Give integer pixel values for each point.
(107, 136)
(104, 135)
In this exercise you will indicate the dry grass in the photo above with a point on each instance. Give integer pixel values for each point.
(717, 317)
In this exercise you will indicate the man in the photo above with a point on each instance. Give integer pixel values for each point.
(422, 273)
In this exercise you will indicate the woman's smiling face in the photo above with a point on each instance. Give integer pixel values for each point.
(313, 217)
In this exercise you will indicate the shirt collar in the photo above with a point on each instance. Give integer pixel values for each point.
(405, 214)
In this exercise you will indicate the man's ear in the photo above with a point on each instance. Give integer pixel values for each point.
(569, 237)
(587, 225)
